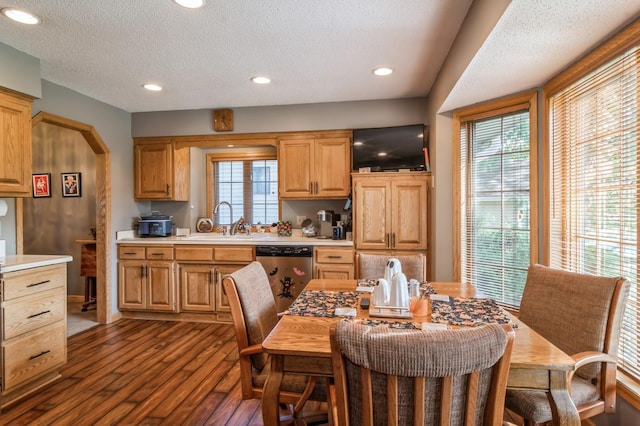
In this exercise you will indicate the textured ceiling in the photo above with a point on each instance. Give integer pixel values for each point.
(314, 50)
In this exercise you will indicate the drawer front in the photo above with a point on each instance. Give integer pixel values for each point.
(160, 253)
(333, 255)
(34, 280)
(30, 313)
(198, 253)
(26, 357)
(130, 252)
(234, 254)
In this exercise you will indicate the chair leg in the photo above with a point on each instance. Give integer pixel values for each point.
(311, 383)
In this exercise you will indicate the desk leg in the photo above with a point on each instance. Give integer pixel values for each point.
(563, 409)
(271, 392)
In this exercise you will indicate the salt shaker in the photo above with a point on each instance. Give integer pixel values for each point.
(414, 288)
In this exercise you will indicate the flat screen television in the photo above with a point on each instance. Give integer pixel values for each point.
(389, 148)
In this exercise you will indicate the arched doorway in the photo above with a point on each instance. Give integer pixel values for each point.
(103, 210)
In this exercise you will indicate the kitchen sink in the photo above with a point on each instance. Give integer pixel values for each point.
(220, 237)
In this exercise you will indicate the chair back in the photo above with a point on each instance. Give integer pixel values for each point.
(372, 266)
(433, 377)
(576, 312)
(252, 306)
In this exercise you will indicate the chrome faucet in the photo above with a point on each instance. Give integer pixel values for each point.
(232, 225)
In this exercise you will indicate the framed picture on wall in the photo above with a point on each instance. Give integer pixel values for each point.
(41, 184)
(71, 184)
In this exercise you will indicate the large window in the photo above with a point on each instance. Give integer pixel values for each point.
(593, 181)
(250, 185)
(496, 239)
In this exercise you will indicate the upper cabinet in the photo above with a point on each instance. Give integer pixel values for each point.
(314, 165)
(161, 171)
(15, 144)
(391, 210)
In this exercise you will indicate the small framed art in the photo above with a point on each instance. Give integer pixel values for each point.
(41, 183)
(71, 184)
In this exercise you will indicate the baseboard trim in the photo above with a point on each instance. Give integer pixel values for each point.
(74, 298)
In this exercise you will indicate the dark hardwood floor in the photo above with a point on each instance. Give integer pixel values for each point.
(136, 372)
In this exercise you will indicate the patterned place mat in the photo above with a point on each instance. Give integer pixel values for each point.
(469, 312)
(320, 303)
(404, 325)
(425, 287)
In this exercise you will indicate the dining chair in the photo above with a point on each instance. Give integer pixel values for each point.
(580, 314)
(254, 314)
(371, 266)
(431, 377)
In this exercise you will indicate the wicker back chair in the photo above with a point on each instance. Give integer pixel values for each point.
(371, 266)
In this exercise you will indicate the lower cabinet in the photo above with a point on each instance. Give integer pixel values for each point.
(34, 329)
(197, 291)
(333, 262)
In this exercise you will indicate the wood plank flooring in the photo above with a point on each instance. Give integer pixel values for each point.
(136, 372)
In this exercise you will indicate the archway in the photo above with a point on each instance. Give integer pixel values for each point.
(103, 210)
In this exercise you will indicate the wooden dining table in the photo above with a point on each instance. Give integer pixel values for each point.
(300, 344)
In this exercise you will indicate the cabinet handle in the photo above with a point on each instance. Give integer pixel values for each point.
(32, 357)
(393, 240)
(211, 280)
(38, 283)
(317, 188)
(156, 254)
(130, 253)
(334, 257)
(167, 189)
(142, 271)
(37, 315)
(386, 240)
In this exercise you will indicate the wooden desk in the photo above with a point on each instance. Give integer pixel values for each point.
(535, 362)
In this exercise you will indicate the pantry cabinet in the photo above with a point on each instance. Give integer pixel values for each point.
(15, 144)
(146, 278)
(34, 328)
(314, 166)
(390, 210)
(161, 171)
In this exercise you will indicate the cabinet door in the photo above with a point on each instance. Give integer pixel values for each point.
(15, 146)
(132, 288)
(332, 167)
(295, 168)
(409, 214)
(372, 213)
(161, 283)
(152, 170)
(197, 292)
(334, 272)
(222, 303)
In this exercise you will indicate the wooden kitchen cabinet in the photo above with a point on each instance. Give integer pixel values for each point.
(34, 329)
(314, 166)
(197, 288)
(333, 262)
(390, 210)
(15, 144)
(161, 171)
(146, 278)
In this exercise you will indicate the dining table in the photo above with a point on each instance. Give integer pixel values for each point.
(299, 343)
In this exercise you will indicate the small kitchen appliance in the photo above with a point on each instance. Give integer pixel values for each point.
(155, 224)
(328, 220)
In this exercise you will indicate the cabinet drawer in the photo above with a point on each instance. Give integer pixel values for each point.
(234, 254)
(160, 253)
(22, 315)
(34, 280)
(199, 253)
(333, 255)
(28, 356)
(129, 252)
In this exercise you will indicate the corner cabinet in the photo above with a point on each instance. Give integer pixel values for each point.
(314, 165)
(161, 171)
(390, 210)
(15, 144)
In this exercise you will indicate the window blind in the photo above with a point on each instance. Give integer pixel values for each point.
(594, 184)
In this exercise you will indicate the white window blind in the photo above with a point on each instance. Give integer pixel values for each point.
(594, 184)
(495, 220)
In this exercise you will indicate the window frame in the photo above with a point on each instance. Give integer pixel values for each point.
(489, 109)
(236, 156)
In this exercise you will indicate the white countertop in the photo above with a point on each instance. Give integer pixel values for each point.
(255, 239)
(25, 261)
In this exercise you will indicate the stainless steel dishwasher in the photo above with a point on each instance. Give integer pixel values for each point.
(289, 269)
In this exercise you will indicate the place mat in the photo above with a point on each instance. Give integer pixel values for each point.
(425, 287)
(469, 312)
(404, 325)
(321, 303)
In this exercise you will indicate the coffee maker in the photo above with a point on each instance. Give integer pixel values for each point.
(328, 220)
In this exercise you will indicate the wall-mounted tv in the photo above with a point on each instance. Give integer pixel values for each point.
(390, 148)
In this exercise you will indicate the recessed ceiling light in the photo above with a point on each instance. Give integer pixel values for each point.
(382, 154)
(20, 16)
(152, 87)
(382, 71)
(357, 143)
(261, 80)
(191, 4)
